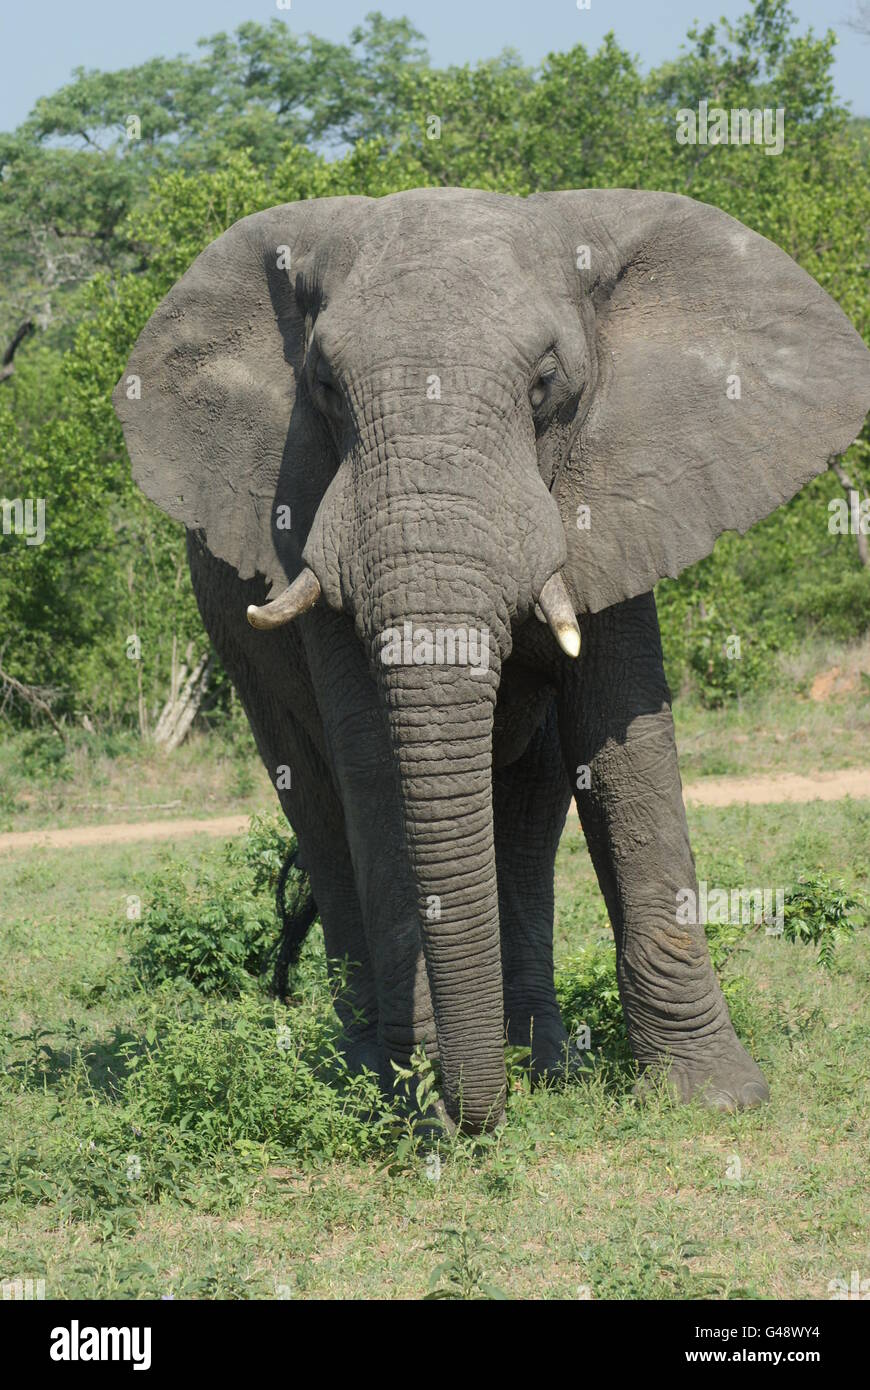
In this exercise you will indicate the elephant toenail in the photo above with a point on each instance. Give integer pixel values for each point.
(754, 1093)
(719, 1100)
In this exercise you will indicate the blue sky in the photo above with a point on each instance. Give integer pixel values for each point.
(41, 41)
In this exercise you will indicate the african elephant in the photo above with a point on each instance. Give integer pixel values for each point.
(457, 437)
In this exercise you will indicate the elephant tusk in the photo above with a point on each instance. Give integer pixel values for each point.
(558, 612)
(302, 594)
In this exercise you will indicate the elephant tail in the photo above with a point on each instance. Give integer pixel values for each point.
(296, 921)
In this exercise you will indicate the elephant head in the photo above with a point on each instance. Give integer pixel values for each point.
(468, 405)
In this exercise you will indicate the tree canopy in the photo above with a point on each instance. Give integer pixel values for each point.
(115, 182)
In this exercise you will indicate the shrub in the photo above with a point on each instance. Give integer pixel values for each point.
(588, 995)
(255, 1073)
(819, 910)
(217, 928)
(839, 606)
(215, 931)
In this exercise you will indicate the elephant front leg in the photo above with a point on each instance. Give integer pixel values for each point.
(531, 797)
(316, 817)
(363, 771)
(618, 740)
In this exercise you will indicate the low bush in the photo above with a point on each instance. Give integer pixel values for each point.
(818, 910)
(217, 928)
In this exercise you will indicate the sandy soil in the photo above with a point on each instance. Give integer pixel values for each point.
(85, 835)
(786, 786)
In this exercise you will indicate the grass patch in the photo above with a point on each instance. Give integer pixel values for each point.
(92, 778)
(813, 714)
(173, 1138)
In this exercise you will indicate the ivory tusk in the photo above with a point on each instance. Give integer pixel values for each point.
(302, 594)
(558, 612)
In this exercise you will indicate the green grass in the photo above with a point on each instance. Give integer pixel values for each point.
(815, 716)
(49, 781)
(163, 1141)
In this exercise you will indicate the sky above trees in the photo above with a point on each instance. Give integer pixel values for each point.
(41, 44)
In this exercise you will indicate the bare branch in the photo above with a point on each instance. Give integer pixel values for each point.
(186, 695)
(860, 20)
(36, 697)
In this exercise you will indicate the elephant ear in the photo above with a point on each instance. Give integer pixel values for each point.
(723, 378)
(218, 434)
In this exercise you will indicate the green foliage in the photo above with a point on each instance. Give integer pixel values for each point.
(837, 605)
(715, 635)
(257, 1080)
(216, 928)
(819, 911)
(461, 1277)
(588, 996)
(214, 932)
(203, 1106)
(263, 851)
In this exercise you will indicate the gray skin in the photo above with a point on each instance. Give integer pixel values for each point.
(585, 346)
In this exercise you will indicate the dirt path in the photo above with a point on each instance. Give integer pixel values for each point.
(712, 791)
(787, 786)
(85, 835)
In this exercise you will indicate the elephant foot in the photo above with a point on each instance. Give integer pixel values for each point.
(718, 1072)
(554, 1055)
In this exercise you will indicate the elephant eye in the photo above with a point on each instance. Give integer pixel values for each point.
(542, 387)
(326, 391)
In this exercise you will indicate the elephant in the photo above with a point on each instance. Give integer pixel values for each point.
(432, 452)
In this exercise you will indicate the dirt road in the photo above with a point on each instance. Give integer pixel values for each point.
(712, 791)
(787, 786)
(88, 835)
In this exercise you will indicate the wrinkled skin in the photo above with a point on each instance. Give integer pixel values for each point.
(433, 385)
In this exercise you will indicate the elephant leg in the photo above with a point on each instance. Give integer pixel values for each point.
(531, 797)
(363, 768)
(314, 810)
(615, 720)
(270, 675)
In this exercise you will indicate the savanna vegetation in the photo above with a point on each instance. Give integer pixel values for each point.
(169, 1128)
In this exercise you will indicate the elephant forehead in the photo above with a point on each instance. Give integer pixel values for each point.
(444, 307)
(419, 273)
(440, 211)
(429, 240)
(420, 313)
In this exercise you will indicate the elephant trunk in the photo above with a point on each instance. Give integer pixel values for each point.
(434, 563)
(440, 699)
